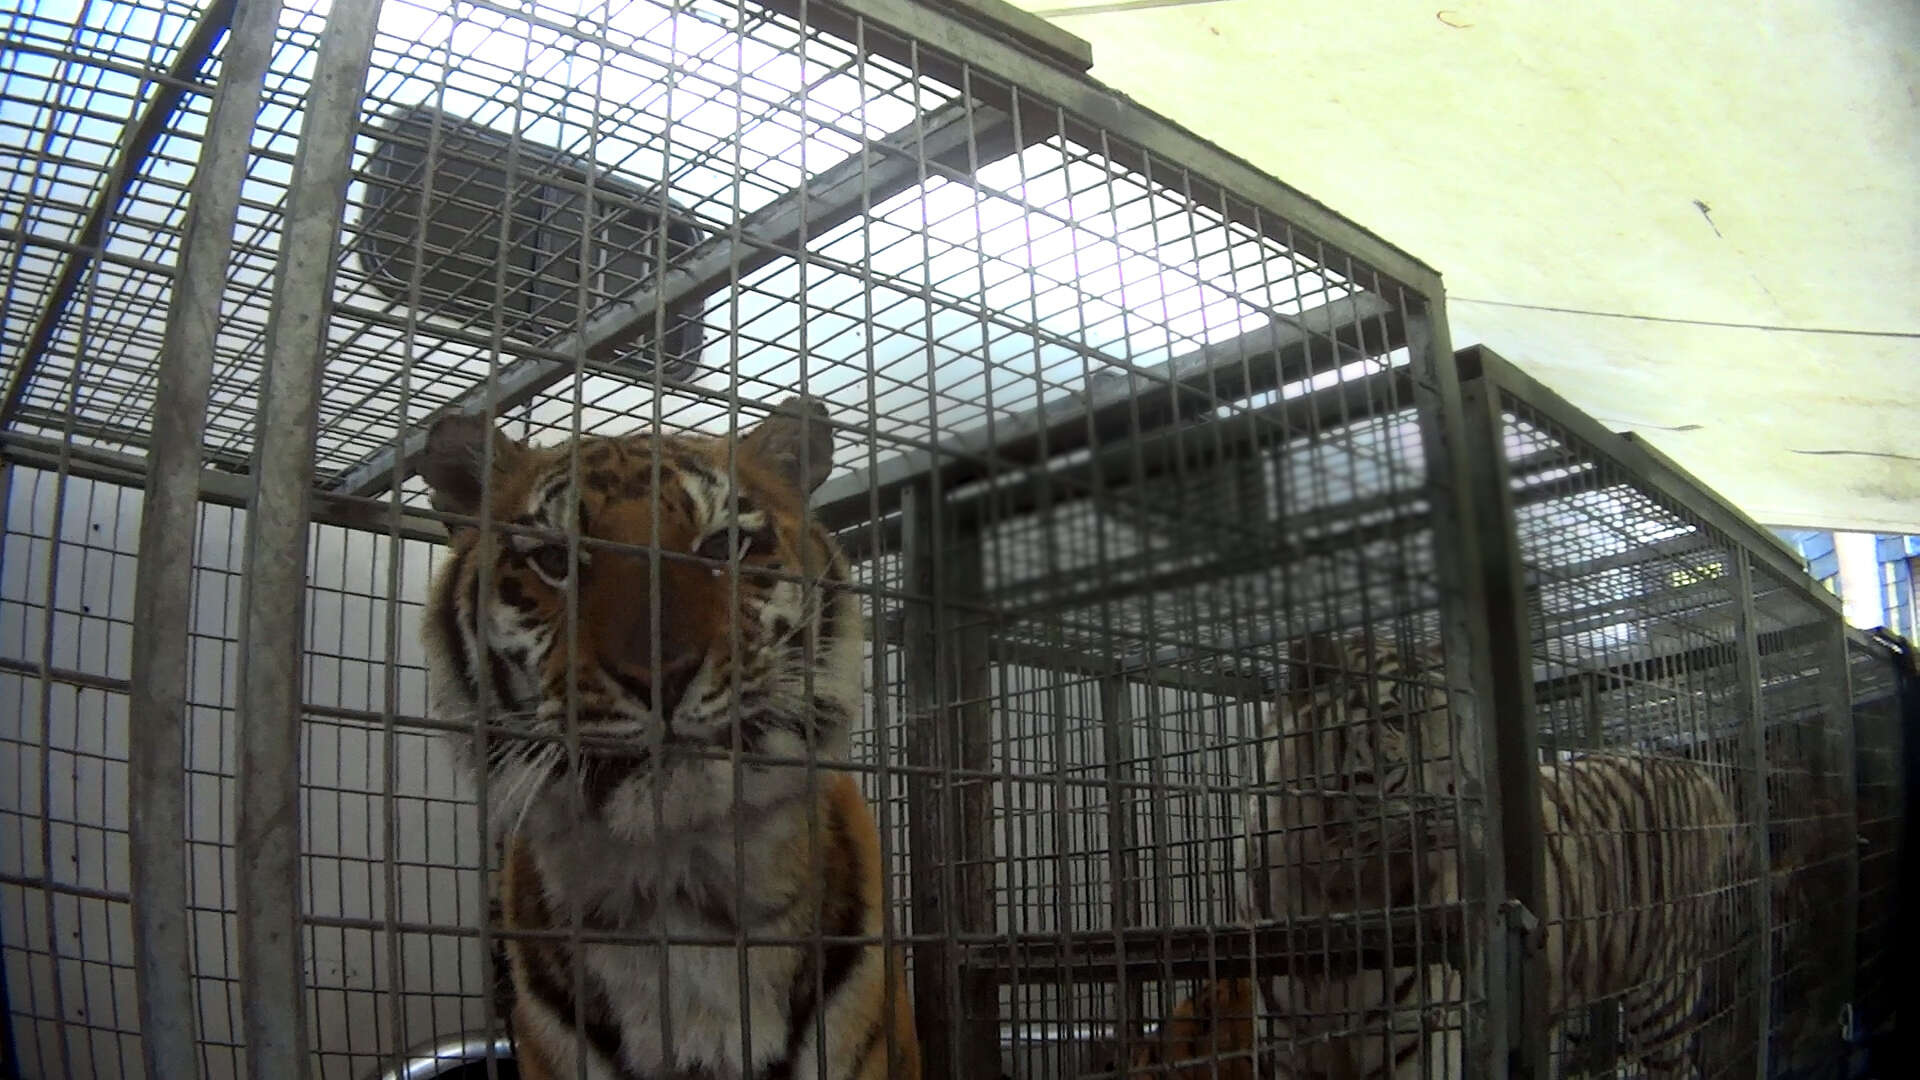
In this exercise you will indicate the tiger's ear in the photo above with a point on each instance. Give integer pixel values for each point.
(454, 456)
(1314, 661)
(778, 441)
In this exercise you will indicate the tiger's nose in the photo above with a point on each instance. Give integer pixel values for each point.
(675, 676)
(660, 691)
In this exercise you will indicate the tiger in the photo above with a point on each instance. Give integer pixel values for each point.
(1210, 1034)
(1356, 811)
(663, 601)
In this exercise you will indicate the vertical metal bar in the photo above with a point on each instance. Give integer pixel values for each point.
(1840, 780)
(883, 715)
(1458, 570)
(1510, 708)
(1753, 736)
(927, 846)
(1123, 854)
(951, 838)
(163, 587)
(273, 1010)
(964, 625)
(9, 1052)
(1595, 728)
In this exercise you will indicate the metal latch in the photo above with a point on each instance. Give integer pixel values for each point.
(1522, 923)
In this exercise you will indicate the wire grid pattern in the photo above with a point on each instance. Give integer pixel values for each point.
(1880, 794)
(1809, 821)
(75, 78)
(939, 292)
(1199, 561)
(388, 822)
(1018, 271)
(1633, 632)
(1150, 602)
(1144, 593)
(392, 873)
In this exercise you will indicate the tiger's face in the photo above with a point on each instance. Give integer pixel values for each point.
(650, 594)
(1364, 764)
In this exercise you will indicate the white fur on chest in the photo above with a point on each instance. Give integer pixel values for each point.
(684, 1006)
(698, 1023)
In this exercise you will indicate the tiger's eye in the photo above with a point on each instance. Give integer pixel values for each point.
(716, 546)
(550, 562)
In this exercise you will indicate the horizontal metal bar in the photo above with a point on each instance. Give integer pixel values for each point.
(1118, 407)
(1159, 676)
(65, 676)
(138, 437)
(1639, 555)
(1663, 667)
(1272, 551)
(216, 487)
(1148, 954)
(1122, 468)
(1027, 30)
(877, 173)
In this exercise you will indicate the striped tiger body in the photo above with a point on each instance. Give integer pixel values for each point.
(1357, 812)
(1642, 859)
(675, 604)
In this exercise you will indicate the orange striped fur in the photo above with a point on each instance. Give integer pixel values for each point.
(635, 611)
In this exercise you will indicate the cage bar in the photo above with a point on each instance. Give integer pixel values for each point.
(267, 837)
(1515, 739)
(156, 782)
(1883, 684)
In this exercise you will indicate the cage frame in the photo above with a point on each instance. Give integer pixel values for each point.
(274, 1019)
(1457, 396)
(1880, 996)
(1489, 381)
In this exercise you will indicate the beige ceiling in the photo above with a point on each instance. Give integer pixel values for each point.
(1756, 164)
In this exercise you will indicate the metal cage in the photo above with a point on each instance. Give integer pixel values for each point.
(1643, 614)
(1122, 427)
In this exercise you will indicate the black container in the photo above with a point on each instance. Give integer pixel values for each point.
(532, 272)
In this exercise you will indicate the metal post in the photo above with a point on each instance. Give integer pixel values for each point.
(273, 1009)
(157, 821)
(1123, 845)
(1458, 570)
(1459, 573)
(972, 716)
(1842, 789)
(1753, 735)
(1603, 1017)
(1591, 720)
(951, 843)
(1511, 711)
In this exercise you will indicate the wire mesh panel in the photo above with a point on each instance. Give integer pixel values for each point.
(1651, 664)
(1171, 615)
(1117, 438)
(1879, 771)
(1810, 817)
(389, 825)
